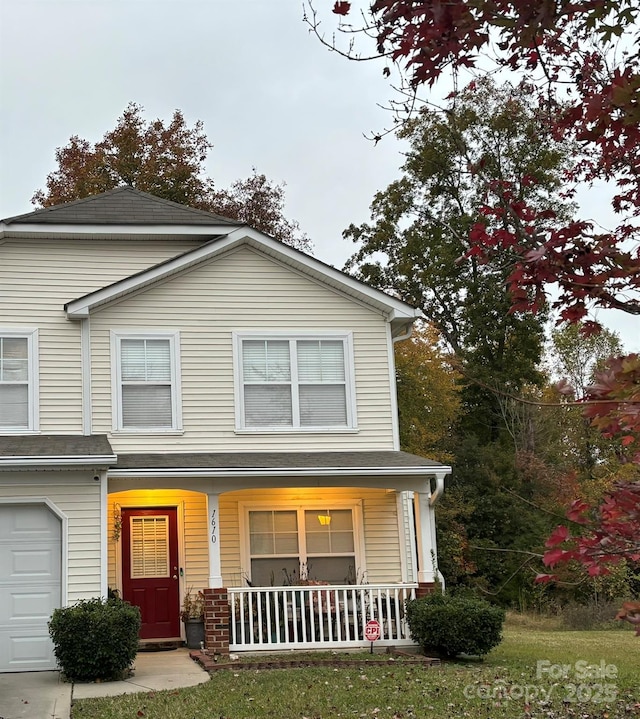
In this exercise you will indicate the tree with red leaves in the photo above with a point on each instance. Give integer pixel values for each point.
(167, 160)
(583, 61)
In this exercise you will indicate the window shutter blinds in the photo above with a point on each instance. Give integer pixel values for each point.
(146, 383)
(149, 547)
(323, 405)
(266, 361)
(267, 364)
(320, 361)
(266, 405)
(132, 355)
(14, 405)
(14, 382)
(146, 406)
(269, 393)
(158, 361)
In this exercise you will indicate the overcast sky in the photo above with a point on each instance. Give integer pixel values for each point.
(269, 94)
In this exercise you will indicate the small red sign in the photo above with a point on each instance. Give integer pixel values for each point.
(372, 630)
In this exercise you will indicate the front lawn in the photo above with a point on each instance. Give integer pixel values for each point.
(534, 673)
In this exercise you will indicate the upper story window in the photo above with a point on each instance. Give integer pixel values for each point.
(146, 381)
(300, 382)
(18, 380)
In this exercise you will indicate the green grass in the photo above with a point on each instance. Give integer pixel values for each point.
(492, 688)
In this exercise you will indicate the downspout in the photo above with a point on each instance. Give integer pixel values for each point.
(85, 362)
(437, 493)
(104, 523)
(405, 336)
(393, 397)
(405, 499)
(433, 499)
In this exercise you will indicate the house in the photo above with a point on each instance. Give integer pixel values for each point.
(188, 404)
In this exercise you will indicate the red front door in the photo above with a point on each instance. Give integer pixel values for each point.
(150, 569)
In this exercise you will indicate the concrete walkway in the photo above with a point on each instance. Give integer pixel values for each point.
(41, 695)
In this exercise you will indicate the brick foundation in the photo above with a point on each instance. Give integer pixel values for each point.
(425, 588)
(216, 620)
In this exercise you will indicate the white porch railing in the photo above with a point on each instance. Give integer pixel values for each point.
(317, 617)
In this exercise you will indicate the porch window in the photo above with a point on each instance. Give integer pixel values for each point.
(18, 385)
(291, 544)
(146, 382)
(296, 383)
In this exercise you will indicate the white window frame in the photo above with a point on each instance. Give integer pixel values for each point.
(33, 380)
(313, 505)
(173, 336)
(293, 337)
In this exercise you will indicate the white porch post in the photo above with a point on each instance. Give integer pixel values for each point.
(425, 503)
(425, 533)
(213, 513)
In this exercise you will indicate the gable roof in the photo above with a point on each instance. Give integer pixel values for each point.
(121, 206)
(126, 212)
(399, 313)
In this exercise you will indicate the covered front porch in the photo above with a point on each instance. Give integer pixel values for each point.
(292, 551)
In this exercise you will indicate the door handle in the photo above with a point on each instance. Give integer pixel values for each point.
(175, 576)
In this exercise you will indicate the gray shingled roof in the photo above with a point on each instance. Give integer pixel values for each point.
(55, 445)
(122, 206)
(275, 460)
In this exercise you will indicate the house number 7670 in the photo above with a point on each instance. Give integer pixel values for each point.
(214, 525)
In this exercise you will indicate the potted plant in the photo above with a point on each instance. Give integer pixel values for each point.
(192, 614)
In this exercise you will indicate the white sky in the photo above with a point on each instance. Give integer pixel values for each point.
(268, 93)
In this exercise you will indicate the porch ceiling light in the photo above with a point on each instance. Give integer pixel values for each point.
(324, 519)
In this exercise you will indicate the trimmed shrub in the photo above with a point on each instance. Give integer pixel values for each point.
(95, 638)
(455, 625)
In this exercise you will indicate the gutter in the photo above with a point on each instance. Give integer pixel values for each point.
(259, 472)
(93, 460)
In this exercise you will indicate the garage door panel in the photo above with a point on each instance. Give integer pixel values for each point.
(27, 604)
(30, 522)
(24, 564)
(30, 585)
(27, 650)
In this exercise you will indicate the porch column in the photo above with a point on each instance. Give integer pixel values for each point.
(426, 558)
(426, 538)
(215, 568)
(425, 502)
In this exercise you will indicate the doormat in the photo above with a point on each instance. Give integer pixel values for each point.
(159, 646)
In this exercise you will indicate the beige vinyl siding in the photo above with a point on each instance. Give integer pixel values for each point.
(192, 532)
(37, 277)
(243, 290)
(380, 528)
(77, 496)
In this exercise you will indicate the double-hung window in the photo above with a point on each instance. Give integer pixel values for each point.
(301, 382)
(18, 380)
(146, 381)
(294, 543)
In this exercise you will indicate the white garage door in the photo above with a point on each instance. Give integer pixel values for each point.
(30, 585)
